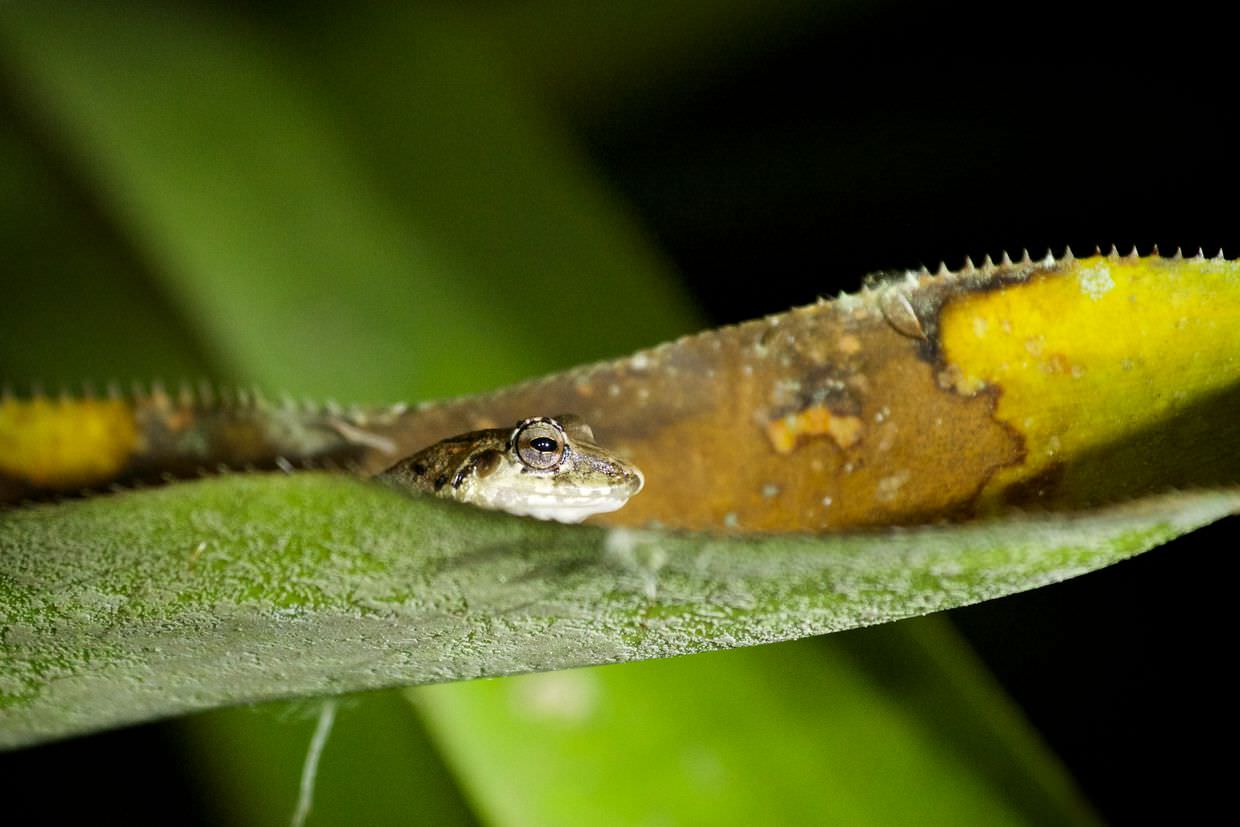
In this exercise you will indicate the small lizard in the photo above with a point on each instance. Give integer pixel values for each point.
(545, 467)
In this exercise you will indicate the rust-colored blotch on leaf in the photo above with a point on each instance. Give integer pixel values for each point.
(1052, 383)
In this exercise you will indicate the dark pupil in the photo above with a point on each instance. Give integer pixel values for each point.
(544, 444)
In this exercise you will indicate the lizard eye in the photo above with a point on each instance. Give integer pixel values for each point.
(540, 445)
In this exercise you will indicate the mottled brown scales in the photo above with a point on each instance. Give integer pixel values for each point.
(430, 469)
(546, 467)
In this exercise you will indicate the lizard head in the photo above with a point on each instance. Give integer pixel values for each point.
(548, 467)
(551, 468)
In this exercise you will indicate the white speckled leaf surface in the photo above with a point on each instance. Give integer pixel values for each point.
(247, 588)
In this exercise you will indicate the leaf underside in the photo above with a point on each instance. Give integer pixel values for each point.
(253, 587)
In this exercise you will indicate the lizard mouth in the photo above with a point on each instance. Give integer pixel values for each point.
(568, 504)
(569, 510)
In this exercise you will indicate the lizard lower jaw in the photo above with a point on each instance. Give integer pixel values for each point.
(570, 512)
(561, 507)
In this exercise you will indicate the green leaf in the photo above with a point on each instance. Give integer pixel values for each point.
(251, 588)
(64, 273)
(543, 749)
(379, 765)
(258, 206)
(761, 731)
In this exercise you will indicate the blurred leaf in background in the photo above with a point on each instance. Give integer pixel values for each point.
(374, 204)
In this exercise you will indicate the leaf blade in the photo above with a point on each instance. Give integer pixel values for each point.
(249, 588)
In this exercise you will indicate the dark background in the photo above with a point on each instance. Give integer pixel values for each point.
(889, 136)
